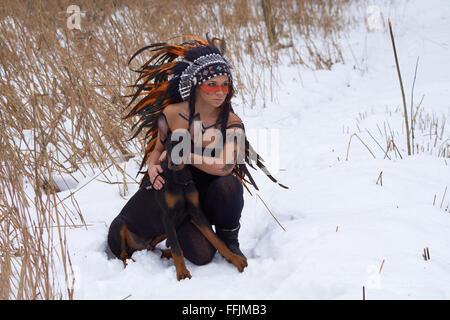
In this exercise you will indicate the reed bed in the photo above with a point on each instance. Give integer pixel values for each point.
(62, 101)
(432, 137)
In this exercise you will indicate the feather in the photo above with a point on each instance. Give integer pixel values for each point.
(157, 92)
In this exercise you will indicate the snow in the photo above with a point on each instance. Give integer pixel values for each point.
(340, 223)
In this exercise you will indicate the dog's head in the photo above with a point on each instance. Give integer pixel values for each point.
(170, 141)
(174, 153)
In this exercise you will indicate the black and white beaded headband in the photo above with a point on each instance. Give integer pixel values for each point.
(193, 74)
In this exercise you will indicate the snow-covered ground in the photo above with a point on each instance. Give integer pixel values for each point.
(340, 223)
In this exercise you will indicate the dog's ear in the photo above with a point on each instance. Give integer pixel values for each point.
(163, 127)
(195, 119)
(168, 143)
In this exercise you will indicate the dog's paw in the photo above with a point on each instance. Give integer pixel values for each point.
(239, 262)
(166, 253)
(183, 273)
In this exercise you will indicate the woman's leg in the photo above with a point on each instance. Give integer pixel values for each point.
(221, 201)
(224, 201)
(196, 248)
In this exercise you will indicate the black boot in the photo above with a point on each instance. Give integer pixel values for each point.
(230, 238)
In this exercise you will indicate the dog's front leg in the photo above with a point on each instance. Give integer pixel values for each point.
(173, 204)
(199, 220)
(177, 253)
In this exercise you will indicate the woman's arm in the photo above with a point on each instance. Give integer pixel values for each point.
(153, 159)
(224, 162)
(157, 155)
(163, 128)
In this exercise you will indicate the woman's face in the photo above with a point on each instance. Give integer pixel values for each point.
(214, 91)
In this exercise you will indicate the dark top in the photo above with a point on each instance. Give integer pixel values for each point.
(199, 176)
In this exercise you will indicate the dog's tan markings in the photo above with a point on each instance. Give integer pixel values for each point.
(193, 198)
(166, 253)
(180, 267)
(171, 167)
(123, 246)
(157, 240)
(236, 260)
(172, 199)
(129, 242)
(134, 242)
(169, 162)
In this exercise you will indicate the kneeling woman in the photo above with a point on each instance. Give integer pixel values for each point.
(197, 87)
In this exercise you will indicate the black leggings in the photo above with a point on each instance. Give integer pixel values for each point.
(221, 200)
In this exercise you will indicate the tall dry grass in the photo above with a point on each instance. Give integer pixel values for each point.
(61, 102)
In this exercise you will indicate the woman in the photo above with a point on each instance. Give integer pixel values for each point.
(187, 82)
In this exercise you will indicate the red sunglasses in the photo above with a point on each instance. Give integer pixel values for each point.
(214, 88)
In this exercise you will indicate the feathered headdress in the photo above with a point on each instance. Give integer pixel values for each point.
(171, 76)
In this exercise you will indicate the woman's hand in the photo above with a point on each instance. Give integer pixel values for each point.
(162, 157)
(154, 170)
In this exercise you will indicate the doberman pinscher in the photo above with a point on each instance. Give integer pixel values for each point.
(135, 228)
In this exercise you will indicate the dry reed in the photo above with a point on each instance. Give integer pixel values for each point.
(61, 102)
